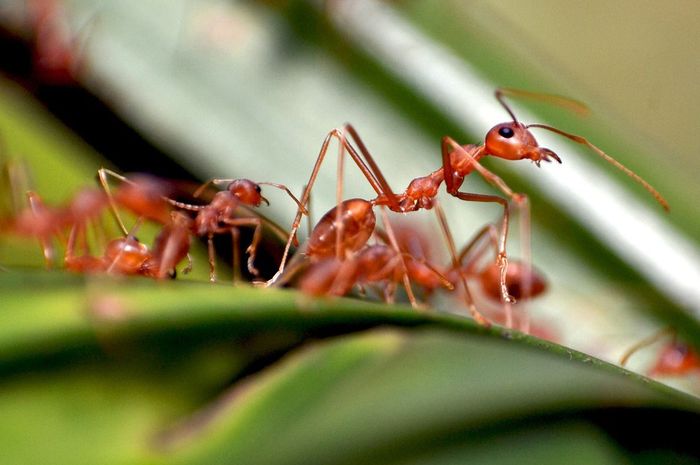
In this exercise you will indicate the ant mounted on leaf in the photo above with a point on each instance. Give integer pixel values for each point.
(511, 140)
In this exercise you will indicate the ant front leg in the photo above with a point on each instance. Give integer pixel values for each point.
(469, 161)
(469, 300)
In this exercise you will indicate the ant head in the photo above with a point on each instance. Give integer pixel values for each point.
(676, 358)
(513, 141)
(247, 192)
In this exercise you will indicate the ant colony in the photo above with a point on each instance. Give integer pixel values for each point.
(346, 251)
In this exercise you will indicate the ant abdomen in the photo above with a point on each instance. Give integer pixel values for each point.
(357, 222)
(516, 281)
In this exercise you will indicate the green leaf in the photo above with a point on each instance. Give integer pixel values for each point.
(112, 372)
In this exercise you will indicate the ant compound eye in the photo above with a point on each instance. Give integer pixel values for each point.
(257, 189)
(506, 132)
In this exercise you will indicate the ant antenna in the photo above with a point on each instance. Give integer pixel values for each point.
(645, 343)
(570, 104)
(581, 109)
(303, 209)
(500, 94)
(582, 140)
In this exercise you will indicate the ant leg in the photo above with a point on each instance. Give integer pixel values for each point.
(404, 270)
(369, 175)
(526, 257)
(69, 253)
(187, 269)
(493, 179)
(339, 201)
(36, 205)
(130, 235)
(645, 343)
(389, 292)
(469, 300)
(382, 186)
(235, 258)
(257, 235)
(473, 248)
(304, 199)
(102, 174)
(372, 173)
(473, 159)
(212, 257)
(501, 257)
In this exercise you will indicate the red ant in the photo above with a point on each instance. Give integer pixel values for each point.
(522, 281)
(379, 263)
(127, 255)
(218, 216)
(510, 141)
(675, 359)
(39, 221)
(144, 195)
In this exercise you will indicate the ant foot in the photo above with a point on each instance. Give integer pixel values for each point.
(520, 199)
(478, 317)
(502, 262)
(273, 280)
(251, 268)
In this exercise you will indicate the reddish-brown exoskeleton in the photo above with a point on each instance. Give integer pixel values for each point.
(522, 281)
(147, 197)
(56, 50)
(47, 223)
(676, 358)
(41, 222)
(362, 264)
(509, 141)
(222, 216)
(143, 195)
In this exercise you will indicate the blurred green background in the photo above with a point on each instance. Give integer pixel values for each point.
(249, 89)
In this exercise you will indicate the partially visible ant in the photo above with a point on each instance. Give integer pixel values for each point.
(56, 49)
(41, 222)
(220, 216)
(676, 358)
(128, 256)
(382, 263)
(144, 195)
(523, 282)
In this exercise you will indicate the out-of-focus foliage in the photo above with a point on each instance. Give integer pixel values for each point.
(130, 371)
(138, 372)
